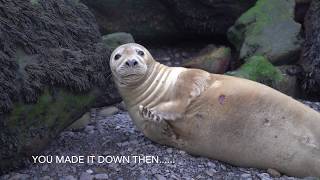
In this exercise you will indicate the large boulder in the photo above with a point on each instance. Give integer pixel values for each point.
(268, 29)
(165, 20)
(53, 68)
(310, 59)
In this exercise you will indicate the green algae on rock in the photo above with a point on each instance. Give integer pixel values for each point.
(268, 29)
(259, 69)
(53, 69)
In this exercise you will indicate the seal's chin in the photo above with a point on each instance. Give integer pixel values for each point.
(130, 78)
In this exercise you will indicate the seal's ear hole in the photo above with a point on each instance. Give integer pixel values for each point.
(117, 56)
(141, 53)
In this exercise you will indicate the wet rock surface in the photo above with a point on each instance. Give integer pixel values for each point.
(115, 135)
(310, 59)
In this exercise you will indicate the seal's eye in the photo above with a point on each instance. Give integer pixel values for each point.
(117, 56)
(141, 53)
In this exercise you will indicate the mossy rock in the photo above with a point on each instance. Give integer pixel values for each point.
(268, 29)
(52, 71)
(259, 69)
(28, 128)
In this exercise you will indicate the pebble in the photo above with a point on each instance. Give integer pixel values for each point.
(169, 150)
(46, 178)
(210, 172)
(101, 176)
(86, 176)
(274, 173)
(246, 176)
(264, 176)
(108, 111)
(89, 171)
(159, 177)
(69, 177)
(19, 176)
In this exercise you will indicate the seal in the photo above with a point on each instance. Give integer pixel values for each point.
(230, 119)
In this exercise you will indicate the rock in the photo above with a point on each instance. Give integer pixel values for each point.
(274, 173)
(81, 122)
(246, 177)
(101, 176)
(69, 177)
(259, 69)
(46, 178)
(86, 176)
(205, 17)
(116, 39)
(143, 19)
(19, 176)
(166, 20)
(268, 29)
(301, 9)
(159, 177)
(211, 59)
(53, 69)
(264, 176)
(211, 172)
(289, 83)
(108, 111)
(310, 59)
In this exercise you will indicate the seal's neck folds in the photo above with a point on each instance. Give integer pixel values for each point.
(153, 87)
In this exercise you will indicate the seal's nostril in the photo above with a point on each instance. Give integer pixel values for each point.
(131, 62)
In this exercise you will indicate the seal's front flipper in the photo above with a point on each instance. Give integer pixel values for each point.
(157, 116)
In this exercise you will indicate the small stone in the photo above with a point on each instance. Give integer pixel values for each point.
(89, 171)
(101, 176)
(44, 167)
(69, 177)
(273, 173)
(19, 176)
(89, 129)
(141, 177)
(264, 176)
(86, 176)
(46, 178)
(210, 172)
(108, 111)
(212, 165)
(246, 176)
(169, 150)
(166, 58)
(223, 167)
(159, 177)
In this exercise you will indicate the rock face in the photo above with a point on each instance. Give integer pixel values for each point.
(310, 60)
(53, 68)
(268, 29)
(144, 19)
(165, 20)
(211, 59)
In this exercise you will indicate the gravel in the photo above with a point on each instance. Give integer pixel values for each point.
(115, 135)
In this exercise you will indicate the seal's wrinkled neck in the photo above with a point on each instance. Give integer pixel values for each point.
(138, 92)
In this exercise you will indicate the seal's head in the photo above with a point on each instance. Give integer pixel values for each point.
(129, 63)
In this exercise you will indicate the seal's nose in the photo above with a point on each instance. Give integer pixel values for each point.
(131, 62)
